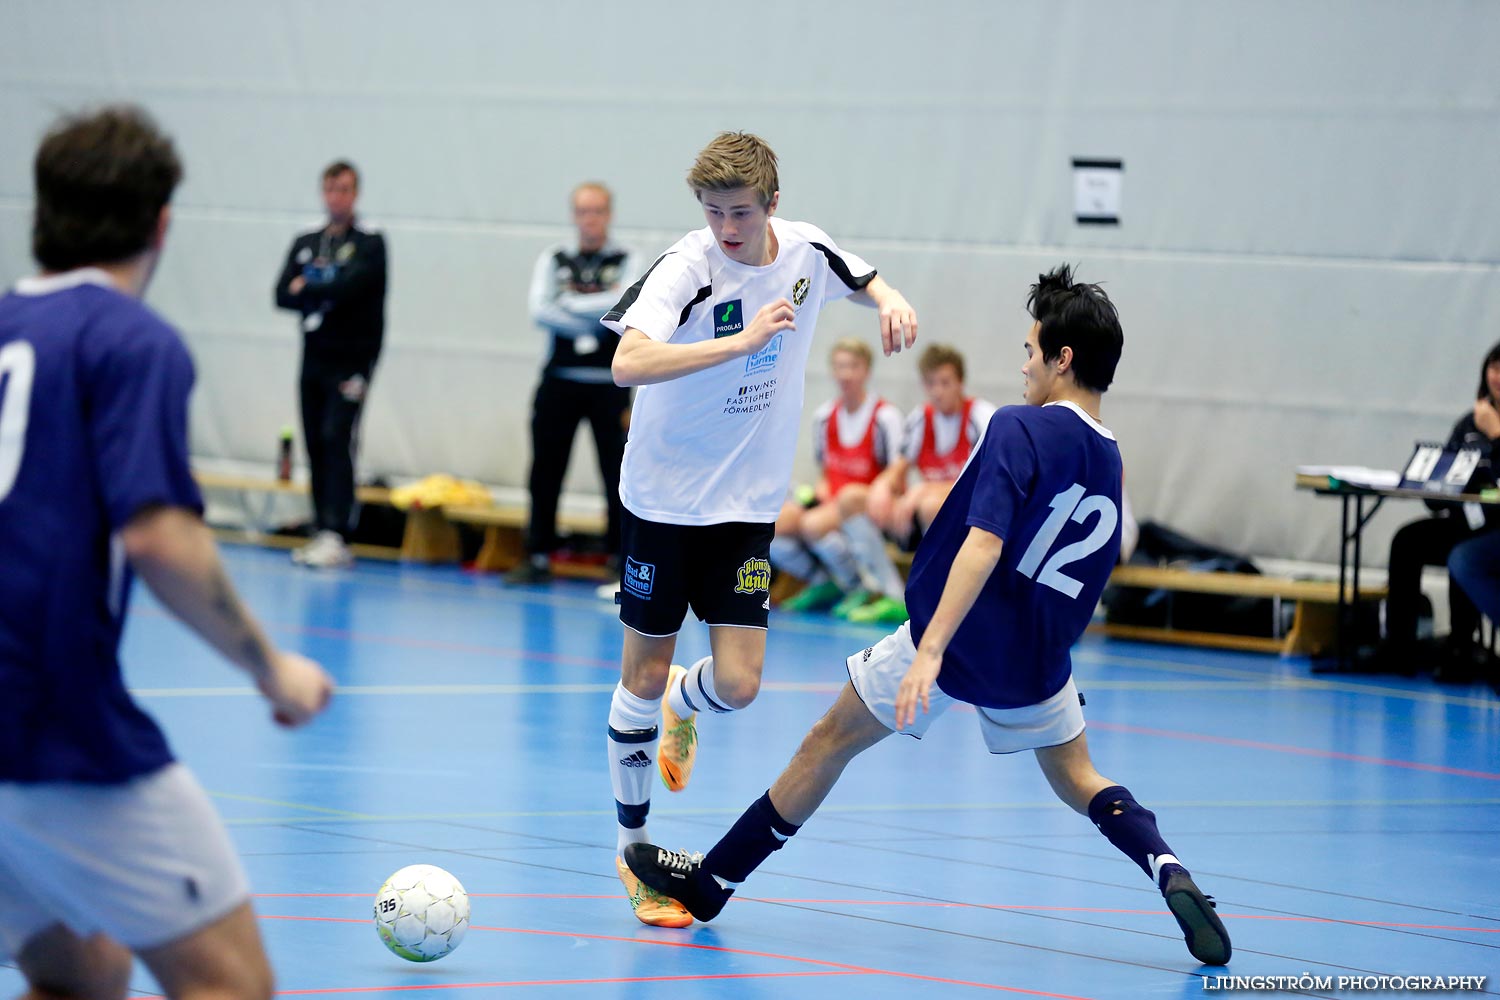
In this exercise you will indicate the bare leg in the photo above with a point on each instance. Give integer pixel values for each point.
(847, 730)
(645, 662)
(223, 961)
(60, 965)
(1070, 772)
(739, 659)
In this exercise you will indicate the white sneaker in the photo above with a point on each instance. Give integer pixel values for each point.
(327, 551)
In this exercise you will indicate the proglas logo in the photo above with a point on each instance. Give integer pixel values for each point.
(729, 318)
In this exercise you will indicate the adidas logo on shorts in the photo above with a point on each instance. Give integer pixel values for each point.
(637, 759)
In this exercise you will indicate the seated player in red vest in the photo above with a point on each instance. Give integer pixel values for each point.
(940, 435)
(829, 541)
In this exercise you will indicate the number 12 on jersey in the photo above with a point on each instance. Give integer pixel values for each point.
(1070, 504)
(17, 368)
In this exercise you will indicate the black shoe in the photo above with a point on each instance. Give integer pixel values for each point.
(536, 569)
(679, 875)
(1462, 661)
(1201, 928)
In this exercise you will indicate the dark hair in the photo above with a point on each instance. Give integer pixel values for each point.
(1079, 316)
(338, 167)
(1492, 358)
(938, 355)
(102, 179)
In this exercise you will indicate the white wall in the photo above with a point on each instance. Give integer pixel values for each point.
(1306, 267)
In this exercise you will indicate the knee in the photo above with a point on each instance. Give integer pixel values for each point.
(831, 738)
(737, 688)
(852, 500)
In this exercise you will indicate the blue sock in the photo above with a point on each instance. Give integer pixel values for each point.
(752, 839)
(1131, 827)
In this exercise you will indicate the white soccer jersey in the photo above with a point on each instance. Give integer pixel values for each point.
(889, 429)
(717, 445)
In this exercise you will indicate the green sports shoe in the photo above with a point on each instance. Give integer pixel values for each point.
(856, 600)
(816, 597)
(881, 611)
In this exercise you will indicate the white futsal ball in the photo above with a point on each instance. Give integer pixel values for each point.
(421, 913)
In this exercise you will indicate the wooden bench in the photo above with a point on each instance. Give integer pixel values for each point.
(428, 537)
(504, 537)
(1314, 626)
(1313, 623)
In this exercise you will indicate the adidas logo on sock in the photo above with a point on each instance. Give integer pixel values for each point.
(637, 759)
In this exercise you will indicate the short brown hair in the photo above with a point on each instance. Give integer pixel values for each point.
(338, 167)
(102, 179)
(735, 160)
(856, 347)
(939, 355)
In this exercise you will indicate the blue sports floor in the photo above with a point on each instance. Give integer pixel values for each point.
(1347, 826)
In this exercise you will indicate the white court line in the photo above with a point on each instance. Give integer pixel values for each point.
(829, 687)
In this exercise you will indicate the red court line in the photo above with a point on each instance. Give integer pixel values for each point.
(560, 982)
(668, 943)
(1231, 741)
(932, 904)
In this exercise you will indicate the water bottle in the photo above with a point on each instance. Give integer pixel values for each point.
(284, 456)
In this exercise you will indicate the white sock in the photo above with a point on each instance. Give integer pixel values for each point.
(695, 692)
(833, 551)
(869, 549)
(632, 762)
(791, 555)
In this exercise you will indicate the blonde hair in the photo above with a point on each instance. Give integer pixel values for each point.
(735, 160)
(939, 355)
(856, 347)
(609, 198)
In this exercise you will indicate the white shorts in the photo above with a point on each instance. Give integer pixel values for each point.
(876, 674)
(146, 862)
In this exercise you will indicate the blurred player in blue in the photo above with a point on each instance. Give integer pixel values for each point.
(1000, 589)
(107, 845)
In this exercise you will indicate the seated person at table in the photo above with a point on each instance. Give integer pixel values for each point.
(1428, 542)
(1474, 568)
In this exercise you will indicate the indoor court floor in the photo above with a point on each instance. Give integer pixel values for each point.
(1348, 826)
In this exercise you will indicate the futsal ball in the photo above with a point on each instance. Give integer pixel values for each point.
(421, 913)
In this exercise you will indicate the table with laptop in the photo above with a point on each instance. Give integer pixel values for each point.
(1431, 473)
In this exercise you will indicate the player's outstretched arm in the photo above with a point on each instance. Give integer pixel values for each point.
(639, 360)
(976, 560)
(173, 551)
(898, 320)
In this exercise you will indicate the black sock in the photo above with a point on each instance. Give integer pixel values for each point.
(752, 839)
(1131, 827)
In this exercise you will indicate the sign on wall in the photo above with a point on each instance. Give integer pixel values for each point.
(1096, 191)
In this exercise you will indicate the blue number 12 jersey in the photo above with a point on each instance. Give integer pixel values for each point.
(1047, 481)
(93, 428)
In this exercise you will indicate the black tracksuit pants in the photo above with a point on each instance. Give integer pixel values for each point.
(559, 406)
(333, 396)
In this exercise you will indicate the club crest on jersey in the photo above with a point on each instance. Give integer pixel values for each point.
(754, 577)
(639, 577)
(765, 358)
(799, 291)
(729, 317)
